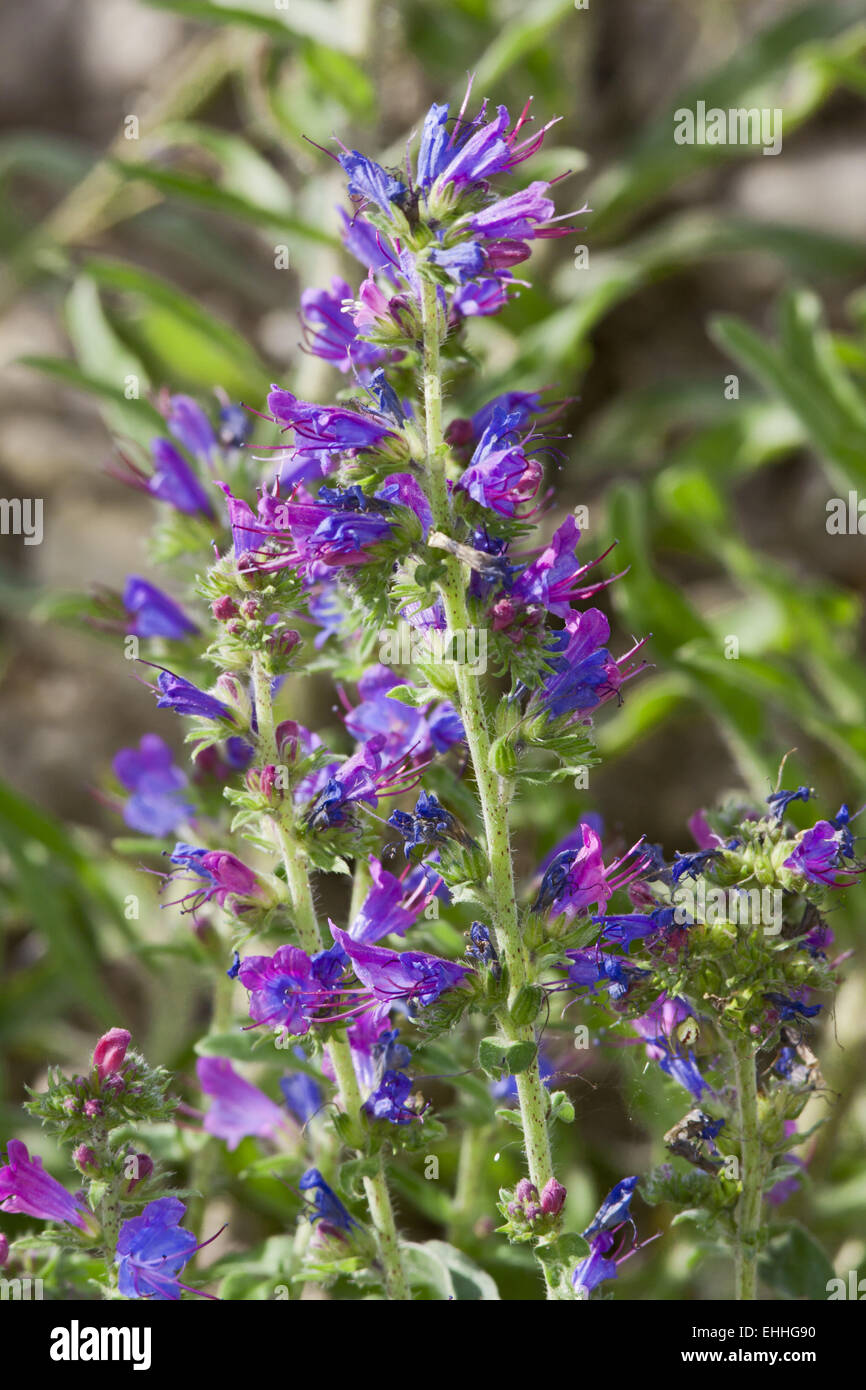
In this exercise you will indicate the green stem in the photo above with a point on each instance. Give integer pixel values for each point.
(492, 794)
(310, 938)
(751, 1172)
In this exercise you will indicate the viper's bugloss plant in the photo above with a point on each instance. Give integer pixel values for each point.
(376, 546)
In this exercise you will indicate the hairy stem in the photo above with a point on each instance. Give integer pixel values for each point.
(751, 1172)
(310, 938)
(492, 797)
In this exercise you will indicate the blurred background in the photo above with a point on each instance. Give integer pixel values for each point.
(711, 337)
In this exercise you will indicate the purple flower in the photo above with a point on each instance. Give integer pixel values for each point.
(330, 331)
(479, 298)
(404, 727)
(790, 1008)
(151, 613)
(520, 217)
(446, 727)
(185, 698)
(191, 427)
(690, 865)
(387, 1101)
(388, 906)
(283, 989)
(239, 1109)
(417, 978)
(588, 967)
(332, 428)
(474, 152)
(430, 824)
(462, 262)
(363, 241)
(626, 927)
(173, 481)
(585, 674)
(152, 1250)
(820, 855)
(597, 1266)
(363, 778)
(552, 580)
(500, 474)
(223, 878)
(27, 1190)
(157, 805)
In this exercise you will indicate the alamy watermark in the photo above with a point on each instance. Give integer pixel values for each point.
(739, 125)
(404, 646)
(22, 516)
(756, 907)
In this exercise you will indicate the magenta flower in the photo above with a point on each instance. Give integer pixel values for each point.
(109, 1053)
(27, 1190)
(577, 879)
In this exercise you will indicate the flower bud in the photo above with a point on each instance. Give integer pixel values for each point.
(92, 1108)
(110, 1051)
(552, 1197)
(83, 1157)
(137, 1167)
(525, 1191)
(251, 608)
(224, 608)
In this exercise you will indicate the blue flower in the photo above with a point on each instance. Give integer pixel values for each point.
(370, 181)
(779, 802)
(387, 1101)
(614, 1210)
(152, 1250)
(302, 1094)
(327, 1206)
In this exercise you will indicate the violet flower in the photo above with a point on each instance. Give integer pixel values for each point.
(157, 804)
(239, 1109)
(151, 613)
(27, 1190)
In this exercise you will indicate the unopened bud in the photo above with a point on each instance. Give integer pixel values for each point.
(552, 1197)
(224, 608)
(137, 1167)
(110, 1052)
(83, 1157)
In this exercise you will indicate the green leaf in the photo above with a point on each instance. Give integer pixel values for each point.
(189, 339)
(445, 1273)
(205, 193)
(795, 1265)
